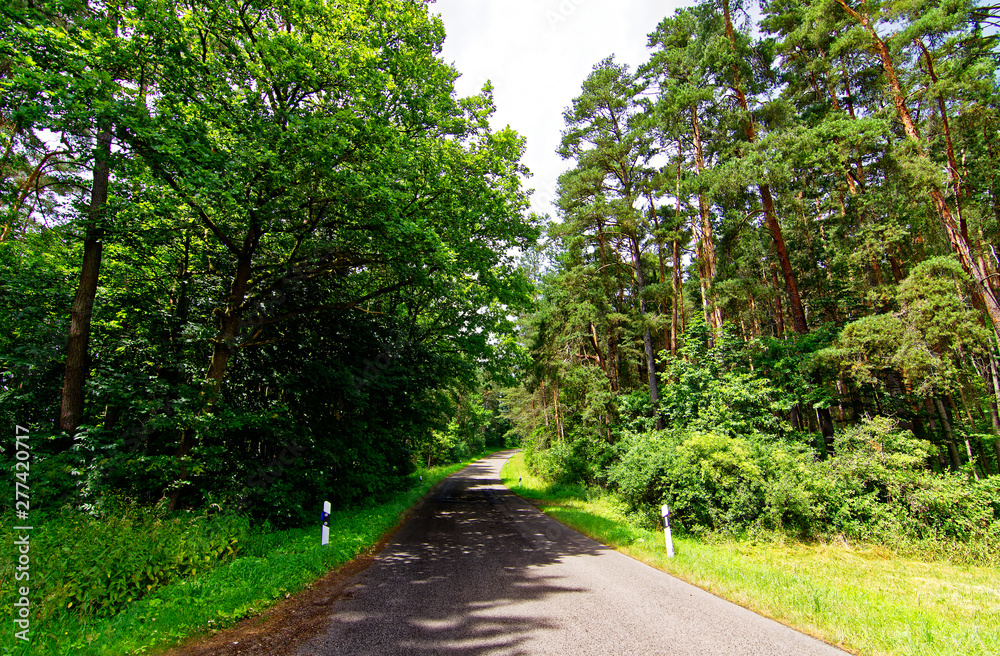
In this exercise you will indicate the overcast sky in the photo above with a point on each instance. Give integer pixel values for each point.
(537, 54)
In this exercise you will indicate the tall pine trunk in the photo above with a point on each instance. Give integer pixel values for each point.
(957, 234)
(771, 219)
(713, 311)
(767, 200)
(677, 306)
(647, 338)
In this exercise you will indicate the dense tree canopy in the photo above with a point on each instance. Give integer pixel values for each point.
(286, 236)
(801, 213)
(261, 252)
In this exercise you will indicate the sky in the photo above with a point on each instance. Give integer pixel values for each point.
(537, 53)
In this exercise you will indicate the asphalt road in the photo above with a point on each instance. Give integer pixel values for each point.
(477, 570)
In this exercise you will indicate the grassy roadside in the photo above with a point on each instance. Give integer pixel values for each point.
(863, 599)
(270, 567)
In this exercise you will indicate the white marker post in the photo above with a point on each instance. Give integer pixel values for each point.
(666, 531)
(325, 519)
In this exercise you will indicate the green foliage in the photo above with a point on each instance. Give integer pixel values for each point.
(307, 244)
(875, 489)
(268, 565)
(867, 598)
(837, 153)
(704, 389)
(35, 289)
(97, 565)
(475, 423)
(582, 461)
(710, 482)
(928, 341)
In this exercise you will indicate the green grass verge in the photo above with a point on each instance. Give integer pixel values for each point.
(864, 599)
(270, 567)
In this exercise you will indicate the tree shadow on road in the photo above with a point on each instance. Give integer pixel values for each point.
(450, 581)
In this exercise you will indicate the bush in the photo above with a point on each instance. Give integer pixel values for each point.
(875, 489)
(712, 482)
(569, 463)
(97, 565)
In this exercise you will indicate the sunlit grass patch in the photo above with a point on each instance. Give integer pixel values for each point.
(269, 567)
(866, 599)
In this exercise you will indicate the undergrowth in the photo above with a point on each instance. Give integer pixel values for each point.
(137, 580)
(869, 599)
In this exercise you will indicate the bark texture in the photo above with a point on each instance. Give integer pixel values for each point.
(77, 347)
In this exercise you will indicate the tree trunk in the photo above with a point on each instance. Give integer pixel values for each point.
(222, 352)
(225, 342)
(897, 269)
(826, 429)
(647, 339)
(77, 348)
(957, 233)
(956, 462)
(545, 406)
(996, 449)
(767, 201)
(611, 364)
(794, 418)
(613, 358)
(972, 460)
(953, 170)
(995, 377)
(707, 239)
(984, 463)
(678, 300)
(659, 254)
(559, 419)
(995, 417)
(840, 400)
(965, 434)
(791, 285)
(592, 332)
(779, 313)
(771, 219)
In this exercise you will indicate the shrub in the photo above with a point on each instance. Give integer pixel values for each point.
(876, 488)
(559, 463)
(97, 565)
(711, 482)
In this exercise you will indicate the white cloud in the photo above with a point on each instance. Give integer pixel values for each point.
(537, 53)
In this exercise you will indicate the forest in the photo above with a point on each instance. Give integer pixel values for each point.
(259, 255)
(251, 254)
(770, 296)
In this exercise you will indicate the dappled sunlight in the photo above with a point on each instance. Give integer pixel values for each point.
(450, 582)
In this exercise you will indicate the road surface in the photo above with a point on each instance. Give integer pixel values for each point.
(477, 570)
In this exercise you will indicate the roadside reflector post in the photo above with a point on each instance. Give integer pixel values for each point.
(666, 531)
(519, 481)
(325, 519)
